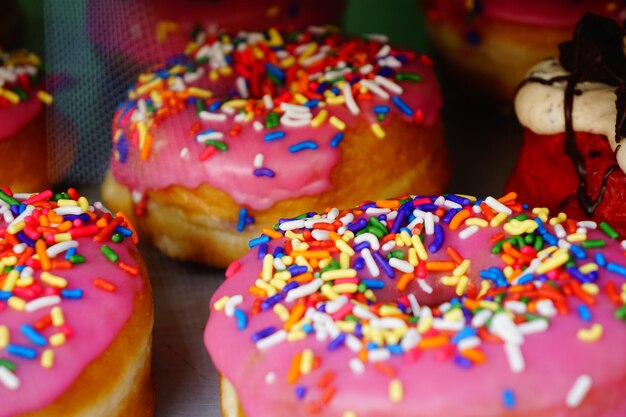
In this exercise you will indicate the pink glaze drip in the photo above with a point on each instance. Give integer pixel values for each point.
(551, 13)
(304, 173)
(136, 30)
(15, 117)
(96, 320)
(432, 387)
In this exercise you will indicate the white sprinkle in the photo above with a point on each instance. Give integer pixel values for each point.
(429, 224)
(292, 122)
(410, 340)
(383, 51)
(292, 225)
(559, 230)
(369, 238)
(401, 265)
(387, 323)
(546, 308)
(415, 222)
(378, 355)
(60, 247)
(348, 218)
(350, 103)
(375, 211)
(320, 234)
(515, 357)
(228, 109)
(332, 214)
(388, 84)
(390, 61)
(184, 153)
(453, 325)
(27, 272)
(388, 246)
(579, 391)
(415, 307)
(296, 108)
(258, 160)
(27, 212)
(498, 206)
(533, 326)
(9, 379)
(309, 223)
(353, 343)
(272, 340)
(516, 307)
(335, 305)
(191, 77)
(369, 262)
(366, 69)
(307, 62)
(471, 342)
(268, 103)
(469, 231)
(279, 265)
(304, 290)
(202, 137)
(68, 210)
(587, 224)
(356, 366)
(136, 196)
(212, 117)
(374, 88)
(503, 327)
(477, 209)
(19, 248)
(8, 216)
(377, 37)
(42, 302)
(242, 87)
(424, 286)
(231, 304)
(257, 126)
(452, 204)
(270, 378)
(240, 117)
(623, 243)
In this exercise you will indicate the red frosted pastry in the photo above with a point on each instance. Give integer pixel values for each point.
(75, 310)
(421, 307)
(149, 31)
(23, 147)
(572, 158)
(486, 46)
(215, 144)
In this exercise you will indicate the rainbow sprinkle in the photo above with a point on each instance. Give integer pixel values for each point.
(321, 272)
(20, 74)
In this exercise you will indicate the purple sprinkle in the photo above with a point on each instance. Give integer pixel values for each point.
(264, 172)
(382, 262)
(263, 333)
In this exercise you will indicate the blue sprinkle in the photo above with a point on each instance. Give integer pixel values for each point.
(404, 108)
(463, 334)
(550, 239)
(271, 136)
(462, 362)
(336, 140)
(600, 259)
(584, 313)
(262, 250)
(73, 294)
(242, 319)
(360, 246)
(397, 222)
(70, 252)
(275, 71)
(359, 263)
(375, 284)
(121, 146)
(525, 279)
(508, 397)
(358, 225)
(579, 276)
(241, 221)
(300, 391)
(296, 270)
(438, 241)
(123, 231)
(300, 146)
(447, 218)
(263, 333)
(381, 109)
(337, 342)
(264, 172)
(21, 236)
(290, 286)
(5, 295)
(272, 301)
(427, 207)
(578, 251)
(307, 328)
(382, 262)
(33, 335)
(395, 349)
(458, 199)
(616, 269)
(215, 106)
(258, 240)
(278, 252)
(312, 103)
(22, 351)
(372, 346)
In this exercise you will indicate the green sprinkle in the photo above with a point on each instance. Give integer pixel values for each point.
(271, 120)
(362, 287)
(620, 313)
(608, 230)
(8, 199)
(499, 298)
(538, 243)
(375, 231)
(529, 239)
(409, 76)
(199, 106)
(413, 319)
(5, 363)
(221, 146)
(117, 238)
(376, 223)
(395, 254)
(519, 217)
(533, 317)
(380, 117)
(593, 243)
(77, 259)
(109, 253)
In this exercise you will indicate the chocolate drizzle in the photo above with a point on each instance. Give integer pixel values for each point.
(595, 54)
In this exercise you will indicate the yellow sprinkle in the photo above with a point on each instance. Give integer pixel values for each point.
(329, 292)
(555, 261)
(348, 236)
(274, 37)
(587, 268)
(268, 267)
(489, 305)
(202, 93)
(590, 288)
(320, 118)
(623, 297)
(301, 261)
(547, 251)
(406, 238)
(296, 335)
(306, 361)
(271, 291)
(163, 28)
(484, 287)
(67, 203)
(221, 303)
(425, 324)
(278, 284)
(348, 287)
(287, 62)
(399, 241)
(462, 285)
(287, 260)
(57, 339)
(53, 280)
(336, 100)
(57, 316)
(346, 326)
(389, 310)
(47, 358)
(310, 50)
(156, 83)
(10, 96)
(11, 280)
(592, 334)
(337, 123)
(258, 53)
(508, 271)
(344, 260)
(25, 282)
(462, 268)
(301, 247)
(301, 98)
(453, 314)
(344, 247)
(16, 303)
(542, 213)
(324, 263)
(15, 228)
(4, 336)
(9, 261)
(369, 294)
(516, 227)
(338, 273)
(396, 391)
(214, 75)
(290, 234)
(413, 257)
(44, 97)
(498, 219)
(449, 281)
(349, 413)
(378, 130)
(559, 219)
(419, 247)
(226, 71)
(576, 237)
(476, 221)
(236, 104)
(62, 237)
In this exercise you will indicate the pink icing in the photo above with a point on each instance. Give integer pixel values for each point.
(133, 33)
(95, 320)
(552, 13)
(297, 174)
(432, 387)
(14, 117)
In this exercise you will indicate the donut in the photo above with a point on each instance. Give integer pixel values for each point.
(23, 148)
(75, 310)
(572, 158)
(424, 306)
(148, 32)
(485, 47)
(222, 140)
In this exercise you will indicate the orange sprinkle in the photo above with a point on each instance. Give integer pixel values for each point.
(458, 219)
(133, 270)
(440, 266)
(454, 255)
(104, 285)
(271, 233)
(613, 293)
(294, 371)
(315, 254)
(328, 394)
(474, 355)
(40, 248)
(326, 379)
(385, 369)
(509, 198)
(433, 342)
(129, 225)
(390, 204)
(296, 313)
(259, 292)
(404, 280)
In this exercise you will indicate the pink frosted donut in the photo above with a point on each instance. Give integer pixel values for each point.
(246, 128)
(487, 46)
(148, 31)
(424, 306)
(75, 310)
